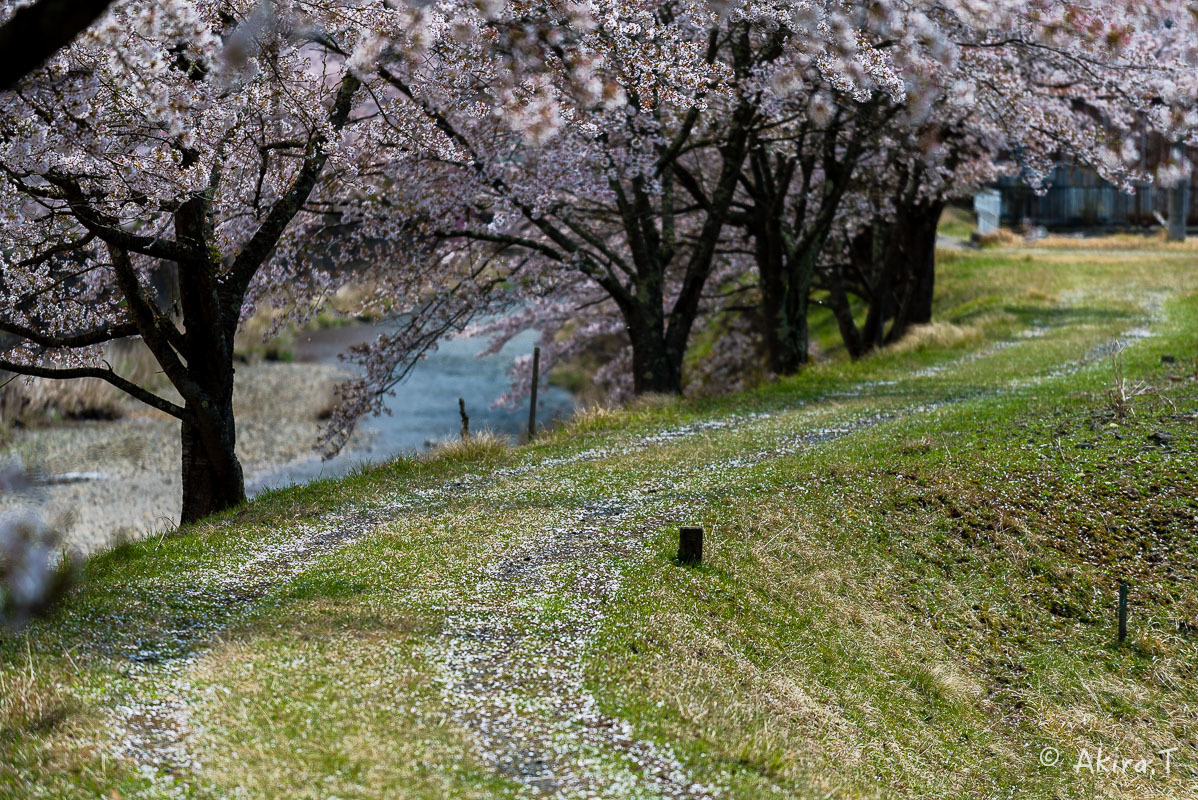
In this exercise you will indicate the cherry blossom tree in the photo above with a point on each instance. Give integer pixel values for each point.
(595, 169)
(604, 141)
(610, 182)
(201, 147)
(597, 197)
(184, 163)
(847, 197)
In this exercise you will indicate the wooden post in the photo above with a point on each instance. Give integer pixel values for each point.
(1122, 612)
(1179, 200)
(465, 419)
(690, 545)
(532, 403)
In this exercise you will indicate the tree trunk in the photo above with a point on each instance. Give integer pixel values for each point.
(882, 303)
(838, 302)
(654, 368)
(785, 338)
(918, 254)
(785, 287)
(775, 320)
(212, 477)
(929, 224)
(1178, 200)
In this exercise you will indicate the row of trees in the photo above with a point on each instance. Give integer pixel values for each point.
(762, 154)
(620, 171)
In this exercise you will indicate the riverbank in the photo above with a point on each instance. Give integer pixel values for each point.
(105, 481)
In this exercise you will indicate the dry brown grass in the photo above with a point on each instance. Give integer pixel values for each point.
(1117, 241)
(483, 446)
(1003, 237)
(941, 335)
(28, 704)
(1041, 296)
(654, 401)
(32, 400)
(1124, 391)
(258, 336)
(593, 417)
(921, 446)
(42, 721)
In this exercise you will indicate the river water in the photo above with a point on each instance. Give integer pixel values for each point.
(424, 408)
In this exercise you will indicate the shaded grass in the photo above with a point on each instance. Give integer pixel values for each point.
(957, 223)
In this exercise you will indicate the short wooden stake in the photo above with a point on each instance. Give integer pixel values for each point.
(532, 403)
(465, 419)
(1122, 612)
(690, 545)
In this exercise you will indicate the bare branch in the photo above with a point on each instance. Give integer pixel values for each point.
(82, 339)
(103, 373)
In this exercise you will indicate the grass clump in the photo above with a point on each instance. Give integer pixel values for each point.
(941, 335)
(483, 449)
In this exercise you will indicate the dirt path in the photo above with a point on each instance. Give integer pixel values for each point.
(153, 730)
(511, 675)
(511, 660)
(511, 666)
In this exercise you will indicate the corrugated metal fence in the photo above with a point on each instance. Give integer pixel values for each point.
(1078, 198)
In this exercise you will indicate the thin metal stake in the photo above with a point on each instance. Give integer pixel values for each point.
(532, 404)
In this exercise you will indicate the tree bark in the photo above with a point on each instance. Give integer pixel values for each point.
(790, 238)
(842, 311)
(212, 476)
(783, 329)
(917, 267)
(655, 369)
(38, 31)
(1178, 200)
(921, 308)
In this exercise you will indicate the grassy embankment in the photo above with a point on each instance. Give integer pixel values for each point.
(908, 591)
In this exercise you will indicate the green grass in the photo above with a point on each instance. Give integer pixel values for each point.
(957, 223)
(916, 608)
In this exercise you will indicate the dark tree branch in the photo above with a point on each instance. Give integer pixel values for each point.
(286, 207)
(103, 373)
(36, 32)
(83, 339)
(108, 230)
